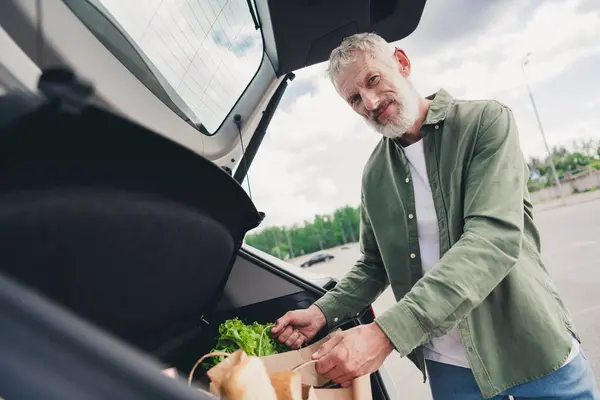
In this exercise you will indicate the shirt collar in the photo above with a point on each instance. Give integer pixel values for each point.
(442, 100)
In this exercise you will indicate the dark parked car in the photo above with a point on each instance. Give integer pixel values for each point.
(317, 258)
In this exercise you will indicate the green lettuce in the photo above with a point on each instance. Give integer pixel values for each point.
(235, 335)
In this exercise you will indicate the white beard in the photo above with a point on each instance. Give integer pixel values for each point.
(408, 102)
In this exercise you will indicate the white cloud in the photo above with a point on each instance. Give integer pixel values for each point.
(557, 35)
(593, 104)
(314, 118)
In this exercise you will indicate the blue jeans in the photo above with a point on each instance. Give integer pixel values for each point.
(574, 381)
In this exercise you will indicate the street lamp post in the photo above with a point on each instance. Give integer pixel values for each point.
(537, 116)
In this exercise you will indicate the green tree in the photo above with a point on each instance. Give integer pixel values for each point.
(323, 232)
(584, 155)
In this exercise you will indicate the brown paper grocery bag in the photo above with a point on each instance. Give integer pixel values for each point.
(241, 376)
(308, 393)
(311, 380)
(360, 390)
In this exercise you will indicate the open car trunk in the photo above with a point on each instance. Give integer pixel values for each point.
(127, 231)
(255, 291)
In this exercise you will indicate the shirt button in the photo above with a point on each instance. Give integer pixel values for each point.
(407, 180)
(437, 127)
(412, 255)
(410, 216)
(335, 319)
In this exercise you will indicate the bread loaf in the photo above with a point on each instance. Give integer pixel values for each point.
(242, 377)
(287, 385)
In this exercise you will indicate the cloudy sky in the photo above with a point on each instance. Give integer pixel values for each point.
(312, 157)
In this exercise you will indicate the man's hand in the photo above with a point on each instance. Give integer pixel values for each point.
(299, 326)
(353, 353)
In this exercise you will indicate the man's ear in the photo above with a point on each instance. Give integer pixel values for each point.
(403, 61)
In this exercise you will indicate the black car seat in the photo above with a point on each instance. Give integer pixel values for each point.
(120, 225)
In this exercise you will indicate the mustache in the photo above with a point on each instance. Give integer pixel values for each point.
(374, 115)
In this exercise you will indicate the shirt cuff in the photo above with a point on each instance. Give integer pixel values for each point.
(402, 328)
(334, 311)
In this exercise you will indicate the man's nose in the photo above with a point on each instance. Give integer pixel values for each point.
(371, 100)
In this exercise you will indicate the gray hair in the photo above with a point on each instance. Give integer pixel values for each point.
(352, 46)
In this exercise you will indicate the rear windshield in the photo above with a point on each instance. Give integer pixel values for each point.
(197, 56)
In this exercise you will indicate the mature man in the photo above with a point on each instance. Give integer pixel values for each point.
(446, 220)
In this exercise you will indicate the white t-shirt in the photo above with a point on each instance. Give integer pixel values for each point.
(446, 349)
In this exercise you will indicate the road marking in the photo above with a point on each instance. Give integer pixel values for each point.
(587, 310)
(586, 243)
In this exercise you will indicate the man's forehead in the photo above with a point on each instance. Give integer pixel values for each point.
(353, 73)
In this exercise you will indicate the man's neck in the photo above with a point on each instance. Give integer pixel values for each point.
(413, 135)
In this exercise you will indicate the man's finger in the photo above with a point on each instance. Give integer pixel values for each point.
(345, 379)
(335, 373)
(346, 384)
(333, 359)
(327, 346)
(299, 342)
(292, 338)
(281, 323)
(325, 366)
(286, 334)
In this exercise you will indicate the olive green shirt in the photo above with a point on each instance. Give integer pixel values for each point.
(490, 279)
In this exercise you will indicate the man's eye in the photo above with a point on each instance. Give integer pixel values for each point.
(355, 100)
(373, 80)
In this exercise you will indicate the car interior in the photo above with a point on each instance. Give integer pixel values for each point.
(122, 217)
